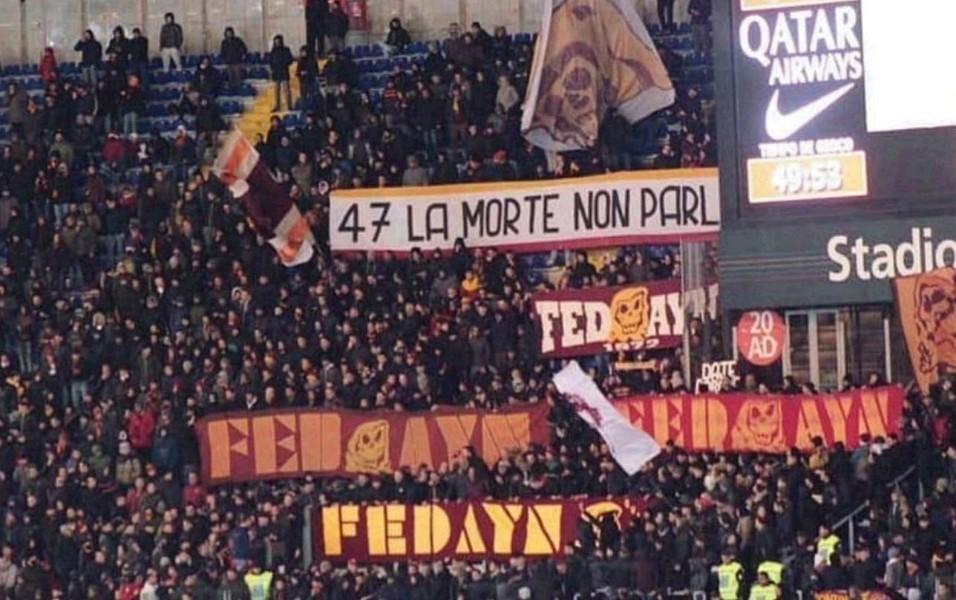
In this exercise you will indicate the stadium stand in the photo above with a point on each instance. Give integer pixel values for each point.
(134, 300)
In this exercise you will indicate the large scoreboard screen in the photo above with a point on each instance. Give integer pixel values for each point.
(844, 102)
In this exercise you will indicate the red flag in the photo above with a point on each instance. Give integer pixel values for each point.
(591, 55)
(271, 210)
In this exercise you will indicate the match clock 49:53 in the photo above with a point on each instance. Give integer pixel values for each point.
(807, 177)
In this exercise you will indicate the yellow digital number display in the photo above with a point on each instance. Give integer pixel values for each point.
(807, 177)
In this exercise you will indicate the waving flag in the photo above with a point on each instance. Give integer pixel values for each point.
(272, 212)
(591, 55)
(631, 447)
(927, 308)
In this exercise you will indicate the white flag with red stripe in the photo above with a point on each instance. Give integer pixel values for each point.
(272, 212)
(630, 447)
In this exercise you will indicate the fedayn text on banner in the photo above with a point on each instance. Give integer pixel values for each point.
(527, 216)
(768, 423)
(638, 316)
(237, 447)
(461, 530)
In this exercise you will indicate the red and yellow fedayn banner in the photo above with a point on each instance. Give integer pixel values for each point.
(461, 530)
(926, 308)
(237, 447)
(576, 322)
(765, 423)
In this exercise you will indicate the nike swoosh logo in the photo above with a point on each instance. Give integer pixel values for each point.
(781, 126)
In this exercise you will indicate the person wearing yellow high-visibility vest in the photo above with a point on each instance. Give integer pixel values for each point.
(773, 569)
(730, 577)
(764, 589)
(828, 546)
(259, 583)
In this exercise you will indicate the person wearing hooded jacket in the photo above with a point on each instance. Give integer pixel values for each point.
(91, 55)
(171, 42)
(233, 52)
(280, 59)
(119, 47)
(398, 37)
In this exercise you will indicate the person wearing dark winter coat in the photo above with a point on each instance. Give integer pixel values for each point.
(316, 21)
(207, 80)
(119, 47)
(132, 104)
(138, 52)
(336, 28)
(233, 52)
(307, 70)
(91, 55)
(17, 103)
(280, 59)
(398, 37)
(171, 42)
(208, 118)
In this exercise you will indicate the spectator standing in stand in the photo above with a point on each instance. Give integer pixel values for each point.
(91, 55)
(48, 67)
(482, 38)
(233, 52)
(316, 20)
(171, 42)
(207, 79)
(132, 104)
(17, 102)
(138, 51)
(398, 37)
(307, 70)
(665, 14)
(337, 27)
(280, 59)
(699, 12)
(118, 47)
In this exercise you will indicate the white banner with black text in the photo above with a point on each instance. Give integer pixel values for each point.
(530, 216)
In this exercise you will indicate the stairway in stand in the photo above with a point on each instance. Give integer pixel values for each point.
(255, 120)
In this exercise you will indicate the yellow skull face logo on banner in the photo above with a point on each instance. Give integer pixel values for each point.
(367, 448)
(759, 426)
(630, 315)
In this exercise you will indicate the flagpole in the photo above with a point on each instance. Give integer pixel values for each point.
(684, 305)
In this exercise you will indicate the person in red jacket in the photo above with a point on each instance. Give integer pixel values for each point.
(193, 492)
(141, 425)
(130, 588)
(48, 70)
(114, 149)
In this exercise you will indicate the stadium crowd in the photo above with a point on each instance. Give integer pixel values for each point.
(135, 299)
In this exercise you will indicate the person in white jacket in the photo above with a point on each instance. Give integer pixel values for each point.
(8, 569)
(150, 589)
